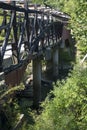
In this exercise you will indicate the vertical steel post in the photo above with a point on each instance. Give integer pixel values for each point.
(15, 40)
(27, 24)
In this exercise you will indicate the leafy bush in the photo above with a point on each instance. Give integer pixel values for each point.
(9, 109)
(68, 109)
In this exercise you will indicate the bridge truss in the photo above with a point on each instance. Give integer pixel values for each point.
(26, 31)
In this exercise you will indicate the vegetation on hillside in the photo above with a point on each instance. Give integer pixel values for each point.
(68, 108)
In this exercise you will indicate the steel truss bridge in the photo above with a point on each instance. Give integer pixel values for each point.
(26, 31)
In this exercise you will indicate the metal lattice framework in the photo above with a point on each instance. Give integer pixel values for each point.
(27, 31)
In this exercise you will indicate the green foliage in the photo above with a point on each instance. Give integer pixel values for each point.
(79, 27)
(78, 21)
(10, 109)
(38, 1)
(11, 91)
(68, 108)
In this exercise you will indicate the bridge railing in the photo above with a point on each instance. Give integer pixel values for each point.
(26, 31)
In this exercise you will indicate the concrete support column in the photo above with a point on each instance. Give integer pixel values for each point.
(62, 45)
(55, 62)
(48, 58)
(49, 65)
(36, 82)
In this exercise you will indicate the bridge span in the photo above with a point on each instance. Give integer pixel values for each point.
(30, 33)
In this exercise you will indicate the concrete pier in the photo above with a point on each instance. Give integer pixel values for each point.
(55, 62)
(36, 82)
(48, 58)
(52, 61)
